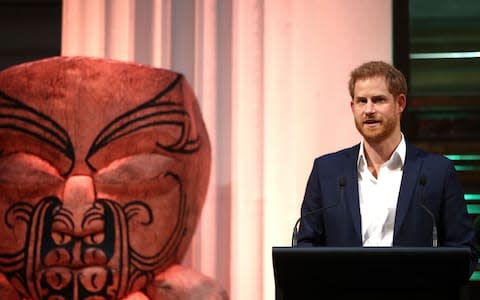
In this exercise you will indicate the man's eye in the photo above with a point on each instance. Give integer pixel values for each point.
(379, 100)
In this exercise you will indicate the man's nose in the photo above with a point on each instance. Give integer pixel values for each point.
(79, 191)
(370, 108)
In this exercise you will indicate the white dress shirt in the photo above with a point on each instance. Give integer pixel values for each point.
(379, 197)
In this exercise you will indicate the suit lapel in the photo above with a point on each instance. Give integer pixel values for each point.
(411, 170)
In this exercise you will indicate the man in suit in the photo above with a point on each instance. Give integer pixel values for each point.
(383, 191)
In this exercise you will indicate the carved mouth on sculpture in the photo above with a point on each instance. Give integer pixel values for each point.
(94, 277)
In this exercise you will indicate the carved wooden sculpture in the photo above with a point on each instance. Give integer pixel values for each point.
(104, 168)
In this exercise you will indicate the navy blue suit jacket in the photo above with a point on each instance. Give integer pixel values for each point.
(340, 225)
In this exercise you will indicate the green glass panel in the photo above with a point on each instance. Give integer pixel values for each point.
(472, 197)
(463, 157)
(475, 276)
(473, 209)
(444, 55)
(467, 168)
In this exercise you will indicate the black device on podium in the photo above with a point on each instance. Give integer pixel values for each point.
(369, 273)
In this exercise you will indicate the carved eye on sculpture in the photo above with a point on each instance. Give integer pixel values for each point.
(94, 279)
(61, 238)
(27, 169)
(27, 176)
(95, 256)
(94, 239)
(57, 256)
(57, 278)
(135, 169)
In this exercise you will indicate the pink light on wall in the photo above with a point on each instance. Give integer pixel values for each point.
(310, 48)
(82, 24)
(271, 77)
(247, 150)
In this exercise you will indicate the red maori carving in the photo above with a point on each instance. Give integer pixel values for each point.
(104, 168)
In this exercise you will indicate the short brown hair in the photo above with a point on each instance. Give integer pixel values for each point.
(395, 80)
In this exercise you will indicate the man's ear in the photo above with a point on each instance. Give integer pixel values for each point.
(402, 102)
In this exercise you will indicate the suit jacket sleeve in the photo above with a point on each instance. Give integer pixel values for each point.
(311, 231)
(455, 226)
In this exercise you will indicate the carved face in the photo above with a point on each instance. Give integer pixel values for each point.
(103, 172)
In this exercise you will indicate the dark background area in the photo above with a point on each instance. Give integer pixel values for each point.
(30, 30)
(437, 46)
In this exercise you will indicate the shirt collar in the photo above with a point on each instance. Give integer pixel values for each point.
(396, 160)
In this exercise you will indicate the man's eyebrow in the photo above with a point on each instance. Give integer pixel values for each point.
(374, 97)
(17, 116)
(359, 98)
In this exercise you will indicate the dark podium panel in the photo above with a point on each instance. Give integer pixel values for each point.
(369, 273)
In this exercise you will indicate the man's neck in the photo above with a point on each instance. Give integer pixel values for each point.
(376, 154)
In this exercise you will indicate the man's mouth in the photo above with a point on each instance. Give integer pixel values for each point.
(371, 122)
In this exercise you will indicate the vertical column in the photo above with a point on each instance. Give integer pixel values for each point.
(183, 37)
(161, 33)
(210, 247)
(196, 38)
(247, 150)
(83, 28)
(279, 105)
(205, 256)
(224, 139)
(120, 34)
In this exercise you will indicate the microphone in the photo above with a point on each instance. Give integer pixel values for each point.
(341, 183)
(422, 181)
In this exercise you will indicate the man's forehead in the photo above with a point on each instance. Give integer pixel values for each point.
(375, 78)
(378, 83)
